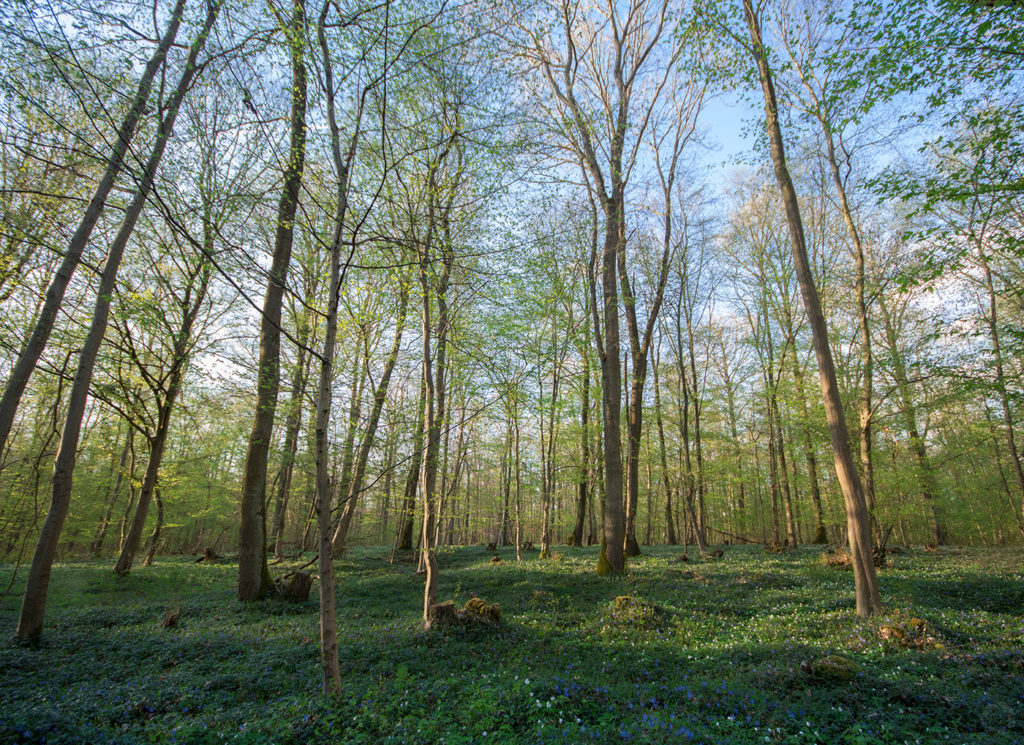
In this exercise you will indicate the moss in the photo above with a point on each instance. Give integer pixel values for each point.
(478, 608)
(835, 668)
(628, 613)
(913, 633)
(604, 567)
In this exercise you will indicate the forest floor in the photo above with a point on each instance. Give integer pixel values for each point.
(711, 651)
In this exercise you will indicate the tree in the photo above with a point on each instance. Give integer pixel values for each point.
(253, 574)
(858, 522)
(30, 622)
(605, 66)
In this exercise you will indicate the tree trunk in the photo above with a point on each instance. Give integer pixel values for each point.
(867, 359)
(997, 354)
(583, 482)
(506, 483)
(158, 442)
(925, 472)
(30, 623)
(154, 538)
(519, 501)
(253, 574)
(330, 672)
(391, 454)
(858, 519)
(101, 530)
(820, 536)
(698, 448)
(292, 427)
(639, 350)
(670, 528)
(360, 373)
(734, 433)
(149, 485)
(355, 485)
(403, 540)
(431, 447)
(612, 559)
(434, 372)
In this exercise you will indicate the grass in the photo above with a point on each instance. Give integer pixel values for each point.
(708, 652)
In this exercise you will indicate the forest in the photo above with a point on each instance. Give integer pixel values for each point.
(641, 317)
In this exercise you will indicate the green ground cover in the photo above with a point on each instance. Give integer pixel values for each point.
(707, 652)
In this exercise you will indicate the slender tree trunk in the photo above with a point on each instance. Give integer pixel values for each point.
(692, 507)
(506, 483)
(330, 672)
(519, 500)
(925, 472)
(253, 574)
(54, 298)
(391, 454)
(403, 540)
(434, 372)
(548, 454)
(734, 432)
(783, 470)
(820, 536)
(30, 623)
(1002, 473)
(858, 518)
(698, 447)
(583, 481)
(773, 467)
(355, 485)
(992, 320)
(639, 350)
(101, 531)
(150, 481)
(292, 427)
(690, 504)
(154, 538)
(634, 432)
(123, 525)
(360, 373)
(431, 446)
(867, 360)
(158, 442)
(670, 528)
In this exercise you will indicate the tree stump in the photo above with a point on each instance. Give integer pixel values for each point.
(172, 618)
(441, 614)
(209, 556)
(293, 587)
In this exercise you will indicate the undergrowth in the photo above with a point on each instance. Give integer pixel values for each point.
(712, 654)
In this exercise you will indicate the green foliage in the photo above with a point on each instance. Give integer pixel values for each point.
(726, 668)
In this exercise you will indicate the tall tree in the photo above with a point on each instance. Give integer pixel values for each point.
(30, 622)
(603, 68)
(253, 574)
(858, 519)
